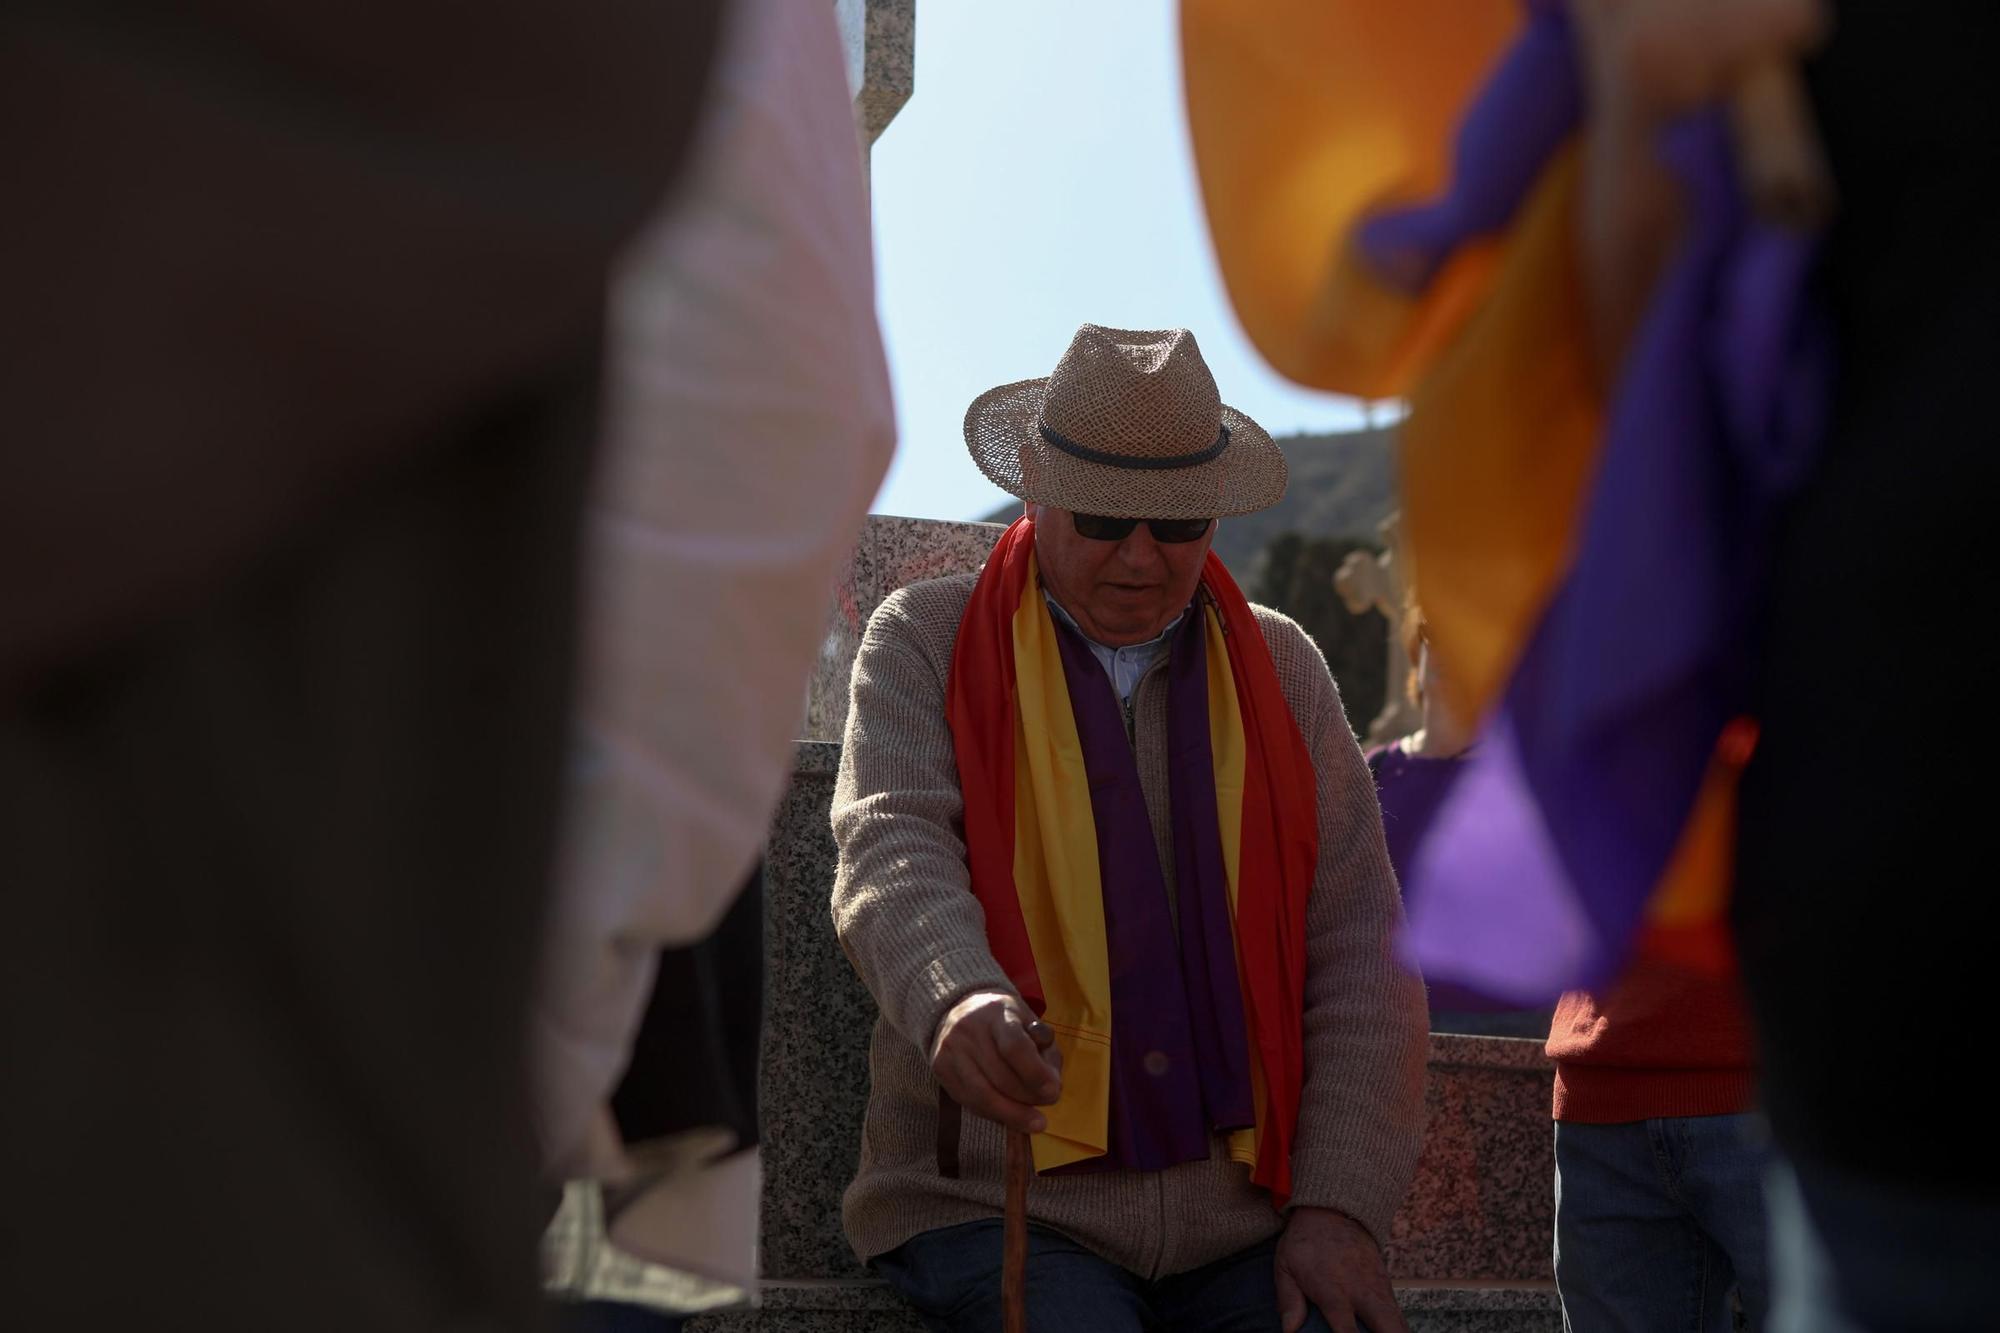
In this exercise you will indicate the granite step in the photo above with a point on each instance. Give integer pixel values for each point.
(865, 1305)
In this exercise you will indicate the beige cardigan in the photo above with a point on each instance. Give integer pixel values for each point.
(906, 917)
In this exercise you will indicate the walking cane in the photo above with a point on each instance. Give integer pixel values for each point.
(1014, 1244)
(1014, 1232)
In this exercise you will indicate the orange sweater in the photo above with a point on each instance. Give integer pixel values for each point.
(1665, 1041)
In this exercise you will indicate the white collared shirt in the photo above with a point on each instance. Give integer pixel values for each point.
(1124, 665)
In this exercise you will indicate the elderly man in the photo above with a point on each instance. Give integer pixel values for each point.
(1112, 866)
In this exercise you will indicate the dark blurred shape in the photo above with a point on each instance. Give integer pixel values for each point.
(299, 372)
(611, 1317)
(1838, 832)
(748, 420)
(1864, 906)
(694, 1060)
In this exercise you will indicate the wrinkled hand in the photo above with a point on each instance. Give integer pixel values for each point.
(1647, 61)
(996, 1059)
(1658, 58)
(1329, 1259)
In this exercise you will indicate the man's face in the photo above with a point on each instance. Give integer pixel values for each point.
(1121, 592)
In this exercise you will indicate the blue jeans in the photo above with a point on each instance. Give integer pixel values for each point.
(952, 1277)
(1851, 1254)
(1658, 1221)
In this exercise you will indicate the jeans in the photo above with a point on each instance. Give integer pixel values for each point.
(1657, 1221)
(952, 1277)
(1851, 1254)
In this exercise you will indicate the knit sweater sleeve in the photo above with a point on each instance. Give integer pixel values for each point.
(902, 898)
(1361, 1115)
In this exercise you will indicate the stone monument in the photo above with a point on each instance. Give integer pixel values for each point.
(891, 553)
(881, 41)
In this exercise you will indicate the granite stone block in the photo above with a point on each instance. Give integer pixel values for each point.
(882, 62)
(857, 1306)
(868, 1304)
(813, 1070)
(890, 554)
(1450, 1307)
(1482, 1204)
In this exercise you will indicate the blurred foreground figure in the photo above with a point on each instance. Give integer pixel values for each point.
(1681, 451)
(749, 423)
(299, 368)
(1862, 910)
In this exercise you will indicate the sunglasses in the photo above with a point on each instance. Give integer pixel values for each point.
(1171, 531)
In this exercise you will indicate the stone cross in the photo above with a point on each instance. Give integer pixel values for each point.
(881, 41)
(1370, 582)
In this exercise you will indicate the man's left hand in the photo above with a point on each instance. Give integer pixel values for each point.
(1329, 1259)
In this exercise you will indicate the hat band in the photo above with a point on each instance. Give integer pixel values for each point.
(1136, 462)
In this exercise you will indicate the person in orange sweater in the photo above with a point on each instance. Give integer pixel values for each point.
(1659, 1162)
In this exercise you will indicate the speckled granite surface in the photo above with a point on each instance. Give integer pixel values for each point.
(1466, 1051)
(856, 1296)
(881, 60)
(841, 1307)
(1482, 1205)
(891, 553)
(1480, 1308)
(813, 1076)
(818, 1307)
(812, 759)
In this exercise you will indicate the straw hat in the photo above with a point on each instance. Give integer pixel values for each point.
(1129, 426)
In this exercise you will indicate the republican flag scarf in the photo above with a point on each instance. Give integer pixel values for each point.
(1208, 993)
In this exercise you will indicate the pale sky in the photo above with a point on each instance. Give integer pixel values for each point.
(1040, 177)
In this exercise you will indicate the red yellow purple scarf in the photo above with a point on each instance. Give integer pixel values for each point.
(1063, 862)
